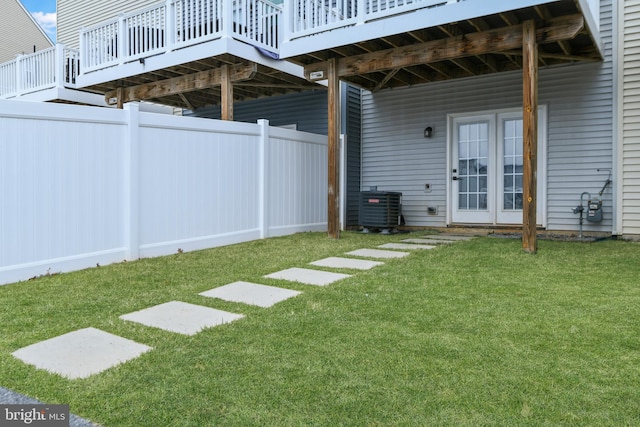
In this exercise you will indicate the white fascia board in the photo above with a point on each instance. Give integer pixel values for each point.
(64, 94)
(185, 55)
(152, 63)
(592, 25)
(410, 21)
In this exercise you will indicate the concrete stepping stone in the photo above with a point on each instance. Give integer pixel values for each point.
(428, 241)
(81, 353)
(181, 317)
(377, 253)
(338, 262)
(308, 276)
(405, 246)
(251, 293)
(453, 237)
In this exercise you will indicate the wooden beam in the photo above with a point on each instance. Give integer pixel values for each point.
(226, 94)
(530, 136)
(333, 214)
(186, 101)
(491, 41)
(384, 81)
(176, 85)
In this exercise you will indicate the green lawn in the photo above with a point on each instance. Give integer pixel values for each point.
(476, 333)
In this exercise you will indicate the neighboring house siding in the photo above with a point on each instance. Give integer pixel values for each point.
(630, 117)
(579, 97)
(19, 33)
(75, 14)
(307, 111)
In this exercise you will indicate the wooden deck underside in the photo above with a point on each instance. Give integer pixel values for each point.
(193, 85)
(371, 63)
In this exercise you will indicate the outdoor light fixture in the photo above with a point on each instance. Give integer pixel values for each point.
(428, 132)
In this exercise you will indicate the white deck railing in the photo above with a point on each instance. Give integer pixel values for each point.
(174, 24)
(45, 69)
(306, 17)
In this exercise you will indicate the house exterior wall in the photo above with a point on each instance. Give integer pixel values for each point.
(629, 116)
(76, 14)
(579, 100)
(19, 33)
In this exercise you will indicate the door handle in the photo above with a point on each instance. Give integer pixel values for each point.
(455, 178)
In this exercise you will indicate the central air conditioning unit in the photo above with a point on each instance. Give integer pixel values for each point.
(379, 209)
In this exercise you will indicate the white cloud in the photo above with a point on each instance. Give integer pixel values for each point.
(48, 22)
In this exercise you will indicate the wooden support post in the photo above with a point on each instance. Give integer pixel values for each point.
(530, 134)
(120, 98)
(333, 214)
(227, 94)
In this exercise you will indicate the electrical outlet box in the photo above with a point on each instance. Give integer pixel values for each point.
(432, 210)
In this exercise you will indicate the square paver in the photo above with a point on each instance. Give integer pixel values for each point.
(181, 317)
(308, 276)
(251, 293)
(428, 241)
(338, 262)
(454, 237)
(409, 246)
(81, 353)
(378, 253)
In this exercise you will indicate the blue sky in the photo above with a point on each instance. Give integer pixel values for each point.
(44, 11)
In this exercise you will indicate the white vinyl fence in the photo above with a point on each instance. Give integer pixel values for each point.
(81, 186)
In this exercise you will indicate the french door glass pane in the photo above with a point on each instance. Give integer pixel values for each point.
(473, 161)
(513, 164)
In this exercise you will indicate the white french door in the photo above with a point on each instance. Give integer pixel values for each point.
(486, 155)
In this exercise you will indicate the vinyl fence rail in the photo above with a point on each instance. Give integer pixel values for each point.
(81, 186)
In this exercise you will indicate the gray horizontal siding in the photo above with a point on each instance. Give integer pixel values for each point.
(72, 15)
(630, 168)
(19, 33)
(396, 156)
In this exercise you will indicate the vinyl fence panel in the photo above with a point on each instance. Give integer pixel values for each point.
(81, 186)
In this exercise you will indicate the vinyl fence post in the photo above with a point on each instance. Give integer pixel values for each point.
(132, 180)
(263, 170)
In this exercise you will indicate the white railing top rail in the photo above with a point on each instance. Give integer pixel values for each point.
(175, 24)
(45, 69)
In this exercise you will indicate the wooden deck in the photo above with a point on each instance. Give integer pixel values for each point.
(447, 40)
(194, 53)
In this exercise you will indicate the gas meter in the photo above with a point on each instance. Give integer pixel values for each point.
(594, 213)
